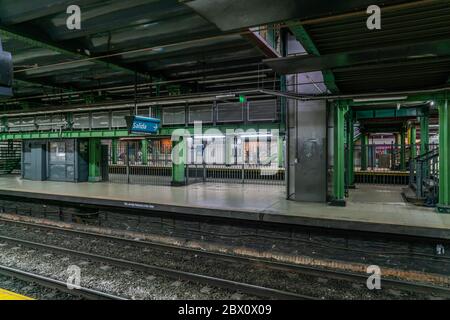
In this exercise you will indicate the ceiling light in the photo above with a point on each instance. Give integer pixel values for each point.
(375, 99)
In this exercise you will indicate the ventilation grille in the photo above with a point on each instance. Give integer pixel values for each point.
(200, 113)
(100, 120)
(81, 121)
(262, 110)
(230, 112)
(118, 119)
(174, 115)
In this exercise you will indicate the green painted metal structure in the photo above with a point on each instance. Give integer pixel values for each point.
(424, 131)
(444, 155)
(94, 160)
(412, 140)
(179, 155)
(350, 150)
(303, 37)
(402, 150)
(340, 109)
(364, 151)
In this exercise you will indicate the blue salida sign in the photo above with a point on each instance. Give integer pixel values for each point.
(137, 124)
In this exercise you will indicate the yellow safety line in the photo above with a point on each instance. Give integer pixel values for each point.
(8, 295)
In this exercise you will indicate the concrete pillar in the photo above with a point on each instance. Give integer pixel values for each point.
(444, 156)
(94, 159)
(179, 155)
(340, 109)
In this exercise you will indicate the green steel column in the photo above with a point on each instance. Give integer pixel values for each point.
(350, 150)
(115, 142)
(178, 162)
(364, 151)
(340, 109)
(402, 150)
(94, 159)
(280, 151)
(144, 150)
(444, 156)
(424, 131)
(412, 140)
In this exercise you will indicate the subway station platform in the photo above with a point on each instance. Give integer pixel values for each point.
(370, 208)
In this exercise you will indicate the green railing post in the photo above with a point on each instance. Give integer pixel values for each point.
(364, 151)
(179, 162)
(94, 159)
(444, 156)
(340, 110)
(144, 150)
(350, 150)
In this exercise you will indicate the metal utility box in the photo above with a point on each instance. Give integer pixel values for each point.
(55, 160)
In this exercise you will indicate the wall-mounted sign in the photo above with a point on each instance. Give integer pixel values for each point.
(141, 125)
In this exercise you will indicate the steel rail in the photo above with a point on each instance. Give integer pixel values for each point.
(56, 284)
(306, 270)
(171, 273)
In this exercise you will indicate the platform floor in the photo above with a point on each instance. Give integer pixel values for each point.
(377, 208)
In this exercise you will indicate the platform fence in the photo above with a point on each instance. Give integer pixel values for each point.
(128, 164)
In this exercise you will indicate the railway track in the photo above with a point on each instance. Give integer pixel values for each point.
(219, 282)
(58, 285)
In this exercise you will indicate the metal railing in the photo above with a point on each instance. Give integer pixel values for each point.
(130, 165)
(424, 176)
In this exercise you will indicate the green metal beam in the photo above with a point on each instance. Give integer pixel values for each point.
(114, 152)
(144, 151)
(402, 150)
(424, 131)
(303, 37)
(444, 156)
(94, 159)
(364, 151)
(350, 150)
(412, 140)
(122, 133)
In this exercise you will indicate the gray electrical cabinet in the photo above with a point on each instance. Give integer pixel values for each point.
(34, 162)
(55, 160)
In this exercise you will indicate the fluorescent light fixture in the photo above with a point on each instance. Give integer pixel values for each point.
(375, 99)
(226, 96)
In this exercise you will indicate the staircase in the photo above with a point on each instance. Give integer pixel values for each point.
(10, 157)
(424, 179)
